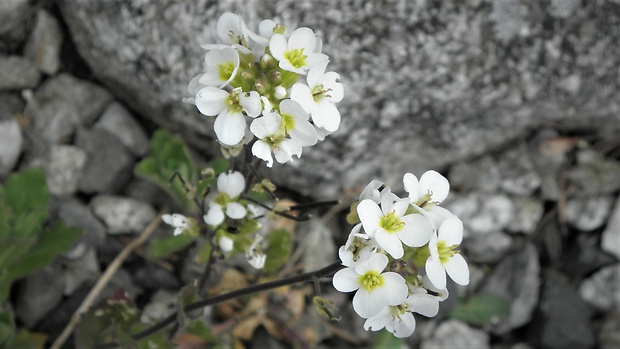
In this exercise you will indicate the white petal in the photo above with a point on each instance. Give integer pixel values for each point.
(390, 243)
(315, 75)
(377, 322)
(328, 114)
(376, 262)
(367, 304)
(417, 231)
(404, 327)
(266, 126)
(394, 289)
(210, 100)
(167, 219)
(250, 101)
(315, 59)
(229, 127)
(400, 207)
(226, 244)
(437, 215)
(302, 38)
(457, 268)
(451, 231)
(231, 183)
(412, 186)
(436, 273)
(277, 46)
(331, 80)
(262, 150)
(435, 183)
(235, 210)
(265, 28)
(424, 304)
(346, 280)
(215, 216)
(302, 94)
(370, 214)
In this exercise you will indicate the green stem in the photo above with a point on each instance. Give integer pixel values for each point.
(327, 271)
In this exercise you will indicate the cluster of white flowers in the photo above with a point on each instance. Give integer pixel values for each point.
(397, 258)
(275, 78)
(224, 204)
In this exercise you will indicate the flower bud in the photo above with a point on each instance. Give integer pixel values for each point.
(280, 92)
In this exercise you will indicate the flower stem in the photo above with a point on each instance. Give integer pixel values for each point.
(327, 271)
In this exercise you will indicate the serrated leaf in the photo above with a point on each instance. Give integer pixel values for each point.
(24, 203)
(279, 245)
(163, 247)
(386, 340)
(52, 242)
(479, 309)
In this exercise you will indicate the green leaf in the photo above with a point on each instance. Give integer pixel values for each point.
(278, 250)
(53, 241)
(24, 202)
(220, 165)
(163, 247)
(28, 340)
(7, 326)
(479, 309)
(168, 158)
(204, 252)
(386, 340)
(110, 320)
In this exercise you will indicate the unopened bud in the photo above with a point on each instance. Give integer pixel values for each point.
(280, 92)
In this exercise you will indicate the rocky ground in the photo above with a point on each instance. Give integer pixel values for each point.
(517, 104)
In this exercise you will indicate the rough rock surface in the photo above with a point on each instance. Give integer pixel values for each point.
(10, 145)
(453, 78)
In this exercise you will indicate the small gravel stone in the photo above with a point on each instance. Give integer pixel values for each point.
(14, 23)
(80, 271)
(610, 240)
(18, 73)
(117, 120)
(122, 215)
(75, 213)
(487, 248)
(527, 214)
(457, 334)
(43, 45)
(482, 213)
(589, 213)
(603, 288)
(11, 142)
(63, 169)
(39, 293)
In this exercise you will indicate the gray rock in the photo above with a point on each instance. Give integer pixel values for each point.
(18, 73)
(11, 142)
(76, 214)
(518, 175)
(14, 23)
(320, 249)
(80, 271)
(517, 280)
(457, 334)
(63, 103)
(44, 44)
(64, 168)
(162, 304)
(109, 163)
(527, 214)
(477, 175)
(39, 293)
(117, 120)
(609, 335)
(457, 88)
(11, 105)
(563, 319)
(155, 277)
(602, 289)
(482, 213)
(487, 248)
(588, 213)
(610, 240)
(143, 190)
(594, 174)
(122, 215)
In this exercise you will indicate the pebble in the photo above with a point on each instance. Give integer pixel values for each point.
(109, 164)
(457, 334)
(487, 248)
(610, 240)
(74, 213)
(64, 168)
(80, 271)
(122, 215)
(44, 44)
(39, 293)
(528, 212)
(588, 213)
(602, 289)
(11, 143)
(482, 213)
(18, 73)
(14, 23)
(117, 120)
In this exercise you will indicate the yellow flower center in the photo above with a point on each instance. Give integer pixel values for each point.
(446, 252)
(296, 57)
(371, 280)
(225, 70)
(391, 223)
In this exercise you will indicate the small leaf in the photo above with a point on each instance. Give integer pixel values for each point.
(480, 309)
(219, 165)
(163, 247)
(278, 250)
(386, 340)
(23, 202)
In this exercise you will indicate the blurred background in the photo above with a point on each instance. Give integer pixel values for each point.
(516, 102)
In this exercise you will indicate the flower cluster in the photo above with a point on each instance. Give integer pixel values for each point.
(277, 79)
(397, 256)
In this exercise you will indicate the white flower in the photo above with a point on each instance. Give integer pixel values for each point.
(358, 248)
(178, 221)
(229, 185)
(268, 130)
(230, 124)
(222, 67)
(375, 289)
(318, 97)
(232, 30)
(298, 53)
(399, 319)
(226, 244)
(427, 193)
(444, 257)
(295, 123)
(255, 255)
(389, 225)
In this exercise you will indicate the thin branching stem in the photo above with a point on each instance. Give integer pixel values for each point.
(279, 213)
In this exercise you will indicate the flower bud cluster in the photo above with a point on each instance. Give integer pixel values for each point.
(398, 253)
(277, 80)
